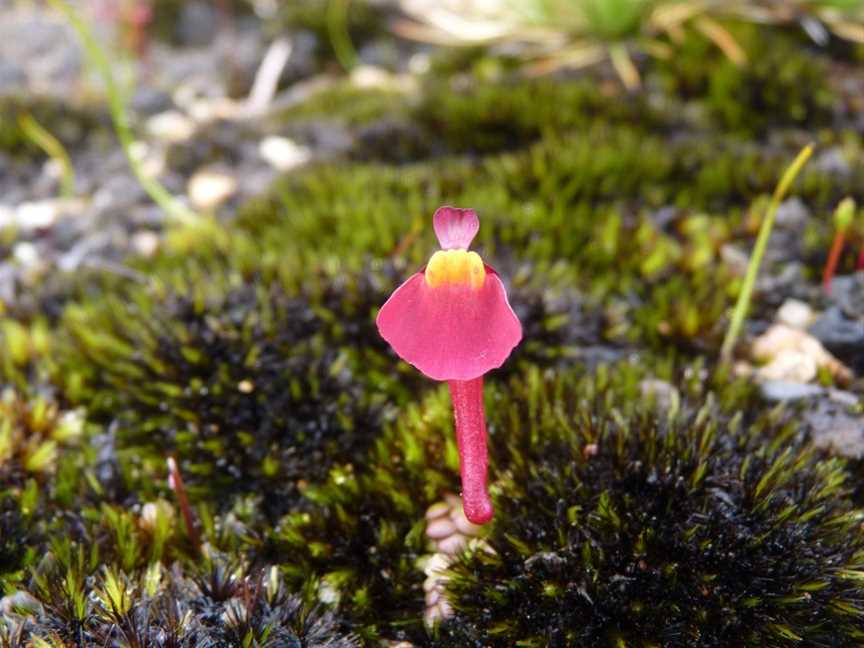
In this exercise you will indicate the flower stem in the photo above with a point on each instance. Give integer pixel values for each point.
(467, 397)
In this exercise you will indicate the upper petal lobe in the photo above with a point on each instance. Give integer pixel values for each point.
(455, 227)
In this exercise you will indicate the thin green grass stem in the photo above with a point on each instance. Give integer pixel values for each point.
(119, 115)
(744, 298)
(340, 36)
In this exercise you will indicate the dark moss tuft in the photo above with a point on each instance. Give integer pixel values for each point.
(361, 541)
(253, 387)
(210, 605)
(626, 526)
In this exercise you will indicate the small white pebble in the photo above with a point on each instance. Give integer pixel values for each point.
(26, 254)
(436, 564)
(170, 126)
(419, 63)
(282, 153)
(434, 581)
(433, 596)
(371, 76)
(145, 242)
(7, 216)
(208, 189)
(453, 501)
(40, 214)
(791, 366)
(445, 610)
(796, 314)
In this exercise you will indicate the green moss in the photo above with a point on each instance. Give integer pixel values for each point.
(679, 529)
(346, 104)
(562, 212)
(783, 83)
(249, 352)
(476, 116)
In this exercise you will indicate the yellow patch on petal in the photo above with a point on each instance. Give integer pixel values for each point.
(448, 267)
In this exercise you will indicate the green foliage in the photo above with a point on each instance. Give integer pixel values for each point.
(619, 525)
(344, 103)
(780, 85)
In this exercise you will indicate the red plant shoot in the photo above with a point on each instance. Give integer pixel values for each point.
(842, 219)
(453, 322)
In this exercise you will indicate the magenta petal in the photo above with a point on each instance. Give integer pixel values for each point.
(451, 332)
(455, 227)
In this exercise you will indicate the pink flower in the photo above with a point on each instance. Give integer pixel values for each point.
(453, 322)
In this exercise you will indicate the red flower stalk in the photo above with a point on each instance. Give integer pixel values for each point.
(453, 322)
(842, 219)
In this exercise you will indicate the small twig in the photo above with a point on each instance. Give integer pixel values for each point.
(722, 38)
(624, 66)
(175, 481)
(743, 303)
(267, 76)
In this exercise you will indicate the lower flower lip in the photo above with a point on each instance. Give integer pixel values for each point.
(450, 332)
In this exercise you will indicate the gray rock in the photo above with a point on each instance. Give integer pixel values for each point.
(783, 390)
(847, 291)
(842, 336)
(833, 428)
(198, 24)
(13, 78)
(150, 101)
(833, 161)
(792, 212)
(20, 600)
